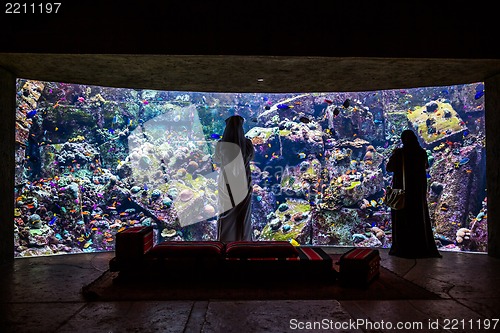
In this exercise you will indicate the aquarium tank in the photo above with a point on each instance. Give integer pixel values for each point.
(92, 161)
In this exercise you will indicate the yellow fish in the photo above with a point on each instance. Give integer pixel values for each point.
(294, 242)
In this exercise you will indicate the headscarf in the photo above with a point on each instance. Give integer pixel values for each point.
(234, 133)
(409, 139)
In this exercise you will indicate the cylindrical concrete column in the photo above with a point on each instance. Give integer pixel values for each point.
(7, 142)
(492, 106)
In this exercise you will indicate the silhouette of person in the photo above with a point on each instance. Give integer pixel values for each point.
(412, 235)
(234, 152)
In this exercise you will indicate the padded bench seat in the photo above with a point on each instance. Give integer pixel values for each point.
(192, 249)
(215, 259)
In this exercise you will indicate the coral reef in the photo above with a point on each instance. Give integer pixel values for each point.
(92, 161)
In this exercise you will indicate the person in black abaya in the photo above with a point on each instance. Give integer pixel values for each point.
(412, 235)
(234, 152)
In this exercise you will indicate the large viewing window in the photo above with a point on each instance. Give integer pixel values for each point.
(92, 161)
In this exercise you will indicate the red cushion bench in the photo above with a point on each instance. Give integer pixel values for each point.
(136, 255)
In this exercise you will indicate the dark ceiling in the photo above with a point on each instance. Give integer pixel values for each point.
(227, 46)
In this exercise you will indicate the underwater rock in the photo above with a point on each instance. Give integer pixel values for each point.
(144, 162)
(282, 207)
(262, 207)
(75, 156)
(431, 106)
(209, 211)
(479, 234)
(167, 202)
(156, 194)
(437, 125)
(147, 221)
(302, 142)
(372, 241)
(437, 188)
(462, 185)
(275, 224)
(462, 234)
(181, 172)
(298, 231)
(379, 233)
(168, 233)
(135, 189)
(173, 193)
(27, 103)
(34, 221)
(186, 195)
(298, 216)
(192, 166)
(335, 226)
(356, 238)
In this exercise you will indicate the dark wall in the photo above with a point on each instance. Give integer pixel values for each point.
(492, 105)
(7, 128)
(260, 27)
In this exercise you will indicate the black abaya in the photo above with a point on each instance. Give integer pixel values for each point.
(412, 235)
(235, 152)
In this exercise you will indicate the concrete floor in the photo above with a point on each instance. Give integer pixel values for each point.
(43, 295)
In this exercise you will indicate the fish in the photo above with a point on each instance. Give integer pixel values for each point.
(336, 111)
(53, 220)
(479, 94)
(215, 136)
(115, 119)
(283, 106)
(267, 107)
(302, 155)
(329, 101)
(347, 103)
(464, 160)
(31, 114)
(294, 242)
(145, 102)
(81, 99)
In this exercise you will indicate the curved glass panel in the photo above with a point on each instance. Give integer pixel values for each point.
(92, 161)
